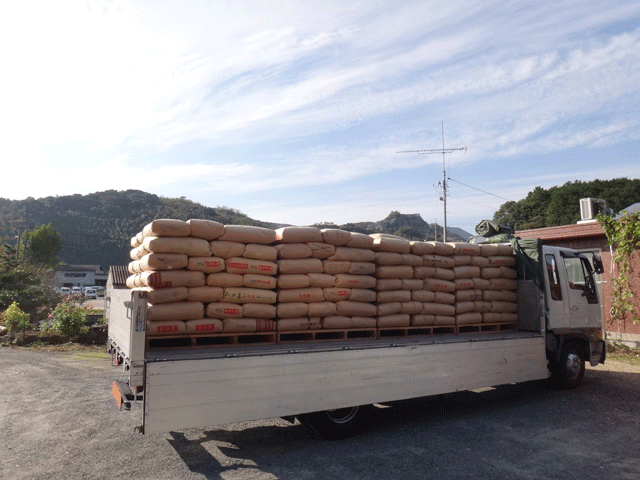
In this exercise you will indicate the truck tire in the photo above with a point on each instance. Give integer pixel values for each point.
(339, 423)
(569, 371)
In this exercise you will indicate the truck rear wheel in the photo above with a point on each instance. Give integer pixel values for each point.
(339, 423)
(569, 371)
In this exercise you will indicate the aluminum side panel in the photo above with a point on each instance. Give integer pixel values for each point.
(207, 392)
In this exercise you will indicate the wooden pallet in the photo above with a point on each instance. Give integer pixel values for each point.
(219, 339)
(485, 327)
(325, 335)
(407, 331)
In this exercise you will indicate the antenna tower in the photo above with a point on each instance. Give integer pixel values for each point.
(444, 175)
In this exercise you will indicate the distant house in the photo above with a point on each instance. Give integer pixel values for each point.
(587, 236)
(79, 276)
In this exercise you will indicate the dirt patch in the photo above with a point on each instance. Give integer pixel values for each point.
(58, 420)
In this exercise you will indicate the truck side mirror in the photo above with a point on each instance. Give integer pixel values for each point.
(597, 264)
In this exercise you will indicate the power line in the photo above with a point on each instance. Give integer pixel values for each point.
(483, 191)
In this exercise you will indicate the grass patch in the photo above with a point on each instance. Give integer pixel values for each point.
(98, 351)
(623, 353)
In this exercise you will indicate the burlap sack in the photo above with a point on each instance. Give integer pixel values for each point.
(335, 236)
(166, 227)
(321, 280)
(322, 309)
(298, 235)
(360, 240)
(163, 261)
(444, 297)
(175, 311)
(167, 295)
(293, 250)
(353, 254)
(205, 294)
(397, 320)
(206, 264)
(249, 295)
(207, 229)
(259, 281)
(304, 295)
(298, 324)
(472, 318)
(334, 267)
(321, 250)
(437, 285)
(260, 252)
(355, 281)
(305, 265)
(389, 296)
(248, 234)
(223, 310)
(224, 279)
(422, 296)
(412, 308)
(191, 246)
(259, 310)
(336, 322)
(400, 271)
(165, 327)
(385, 309)
(293, 280)
(203, 326)
(224, 249)
(421, 248)
(422, 320)
(172, 278)
(362, 295)
(359, 309)
(390, 284)
(243, 266)
(334, 294)
(292, 310)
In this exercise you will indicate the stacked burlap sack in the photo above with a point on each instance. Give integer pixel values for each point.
(324, 279)
(204, 277)
(439, 288)
(395, 281)
(485, 283)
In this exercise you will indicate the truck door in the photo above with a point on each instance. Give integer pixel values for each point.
(582, 297)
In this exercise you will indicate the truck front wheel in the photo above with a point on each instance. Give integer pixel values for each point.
(339, 423)
(570, 369)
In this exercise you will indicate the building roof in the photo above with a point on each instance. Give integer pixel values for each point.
(77, 268)
(118, 275)
(578, 230)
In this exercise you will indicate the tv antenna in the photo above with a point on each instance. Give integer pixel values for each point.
(444, 174)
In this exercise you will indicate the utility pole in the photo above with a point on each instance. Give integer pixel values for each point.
(444, 175)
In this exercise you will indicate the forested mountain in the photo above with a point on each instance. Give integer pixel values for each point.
(561, 205)
(96, 229)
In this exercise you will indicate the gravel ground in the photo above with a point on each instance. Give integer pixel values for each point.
(59, 420)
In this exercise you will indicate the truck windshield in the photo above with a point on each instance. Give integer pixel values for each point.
(580, 277)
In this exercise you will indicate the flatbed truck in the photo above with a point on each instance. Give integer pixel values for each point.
(330, 386)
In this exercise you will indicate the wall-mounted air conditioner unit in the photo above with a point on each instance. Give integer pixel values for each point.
(587, 209)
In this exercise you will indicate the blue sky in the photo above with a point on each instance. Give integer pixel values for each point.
(293, 111)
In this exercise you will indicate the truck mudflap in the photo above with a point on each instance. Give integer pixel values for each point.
(124, 395)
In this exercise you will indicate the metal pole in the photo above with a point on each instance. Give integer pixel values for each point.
(444, 188)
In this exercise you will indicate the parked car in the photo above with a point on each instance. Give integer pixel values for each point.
(76, 290)
(65, 290)
(91, 293)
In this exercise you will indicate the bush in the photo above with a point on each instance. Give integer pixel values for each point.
(67, 319)
(13, 314)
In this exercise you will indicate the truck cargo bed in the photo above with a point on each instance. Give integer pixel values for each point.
(205, 387)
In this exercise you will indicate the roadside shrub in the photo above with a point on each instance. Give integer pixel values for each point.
(13, 314)
(67, 319)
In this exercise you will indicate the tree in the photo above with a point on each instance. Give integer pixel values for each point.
(44, 246)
